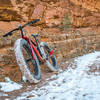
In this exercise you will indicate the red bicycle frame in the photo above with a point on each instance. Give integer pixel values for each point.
(32, 47)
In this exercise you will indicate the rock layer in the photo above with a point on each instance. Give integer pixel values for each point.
(82, 13)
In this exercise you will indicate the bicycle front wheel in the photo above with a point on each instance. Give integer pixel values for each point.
(29, 67)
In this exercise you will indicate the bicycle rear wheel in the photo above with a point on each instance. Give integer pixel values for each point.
(51, 61)
(29, 67)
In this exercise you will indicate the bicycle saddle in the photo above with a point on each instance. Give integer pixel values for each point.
(35, 35)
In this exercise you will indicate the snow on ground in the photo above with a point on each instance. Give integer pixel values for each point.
(72, 84)
(9, 85)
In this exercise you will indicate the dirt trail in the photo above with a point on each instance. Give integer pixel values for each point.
(28, 86)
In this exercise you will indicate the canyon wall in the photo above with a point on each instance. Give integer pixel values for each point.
(71, 27)
(82, 13)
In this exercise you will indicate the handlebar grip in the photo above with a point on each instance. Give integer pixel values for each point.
(34, 21)
(29, 23)
(9, 33)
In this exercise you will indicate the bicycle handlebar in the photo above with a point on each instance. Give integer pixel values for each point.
(29, 23)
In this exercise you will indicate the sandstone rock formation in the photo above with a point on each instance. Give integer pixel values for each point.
(82, 13)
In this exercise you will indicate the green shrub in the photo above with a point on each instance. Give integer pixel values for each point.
(67, 22)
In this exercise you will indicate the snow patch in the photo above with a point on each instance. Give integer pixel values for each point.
(2, 94)
(72, 84)
(9, 85)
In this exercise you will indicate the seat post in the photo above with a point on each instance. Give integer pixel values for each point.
(35, 39)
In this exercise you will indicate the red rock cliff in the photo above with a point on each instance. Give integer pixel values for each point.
(82, 13)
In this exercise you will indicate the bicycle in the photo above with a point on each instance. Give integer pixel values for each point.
(30, 54)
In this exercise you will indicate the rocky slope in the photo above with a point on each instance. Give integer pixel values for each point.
(71, 27)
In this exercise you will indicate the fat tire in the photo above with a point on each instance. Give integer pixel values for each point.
(54, 66)
(32, 78)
